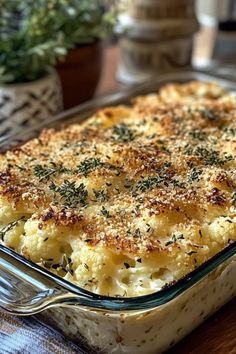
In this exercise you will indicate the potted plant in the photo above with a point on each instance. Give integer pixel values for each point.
(35, 35)
(29, 87)
(83, 23)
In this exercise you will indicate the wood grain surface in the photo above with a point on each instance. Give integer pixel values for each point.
(217, 335)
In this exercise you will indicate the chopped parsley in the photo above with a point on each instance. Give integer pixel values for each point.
(122, 133)
(194, 175)
(100, 195)
(148, 183)
(149, 228)
(209, 156)
(43, 173)
(178, 183)
(71, 195)
(137, 233)
(86, 266)
(89, 165)
(174, 239)
(198, 135)
(66, 264)
(105, 212)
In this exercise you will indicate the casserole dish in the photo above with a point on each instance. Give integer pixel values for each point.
(150, 323)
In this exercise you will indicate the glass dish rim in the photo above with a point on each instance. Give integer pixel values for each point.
(170, 291)
(115, 304)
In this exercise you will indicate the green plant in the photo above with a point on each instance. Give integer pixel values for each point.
(35, 34)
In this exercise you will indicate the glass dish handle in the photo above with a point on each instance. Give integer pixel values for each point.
(26, 291)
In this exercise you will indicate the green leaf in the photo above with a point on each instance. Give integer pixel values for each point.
(36, 34)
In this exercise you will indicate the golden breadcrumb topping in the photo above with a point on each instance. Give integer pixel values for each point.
(132, 199)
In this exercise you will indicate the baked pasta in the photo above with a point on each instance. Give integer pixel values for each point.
(134, 198)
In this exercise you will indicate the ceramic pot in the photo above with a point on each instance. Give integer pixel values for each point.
(22, 105)
(80, 73)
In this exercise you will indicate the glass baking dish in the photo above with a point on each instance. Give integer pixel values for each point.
(99, 324)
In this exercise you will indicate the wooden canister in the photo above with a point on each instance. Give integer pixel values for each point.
(142, 60)
(159, 9)
(153, 44)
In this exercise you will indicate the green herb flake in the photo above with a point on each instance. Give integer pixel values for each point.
(44, 172)
(148, 183)
(105, 212)
(86, 266)
(174, 239)
(137, 233)
(194, 175)
(71, 195)
(122, 133)
(178, 183)
(100, 195)
(149, 228)
(198, 135)
(88, 165)
(209, 156)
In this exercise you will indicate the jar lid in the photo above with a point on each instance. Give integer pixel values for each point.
(155, 30)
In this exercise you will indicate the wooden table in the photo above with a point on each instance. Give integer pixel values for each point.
(218, 334)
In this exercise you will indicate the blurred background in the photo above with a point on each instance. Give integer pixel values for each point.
(55, 54)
